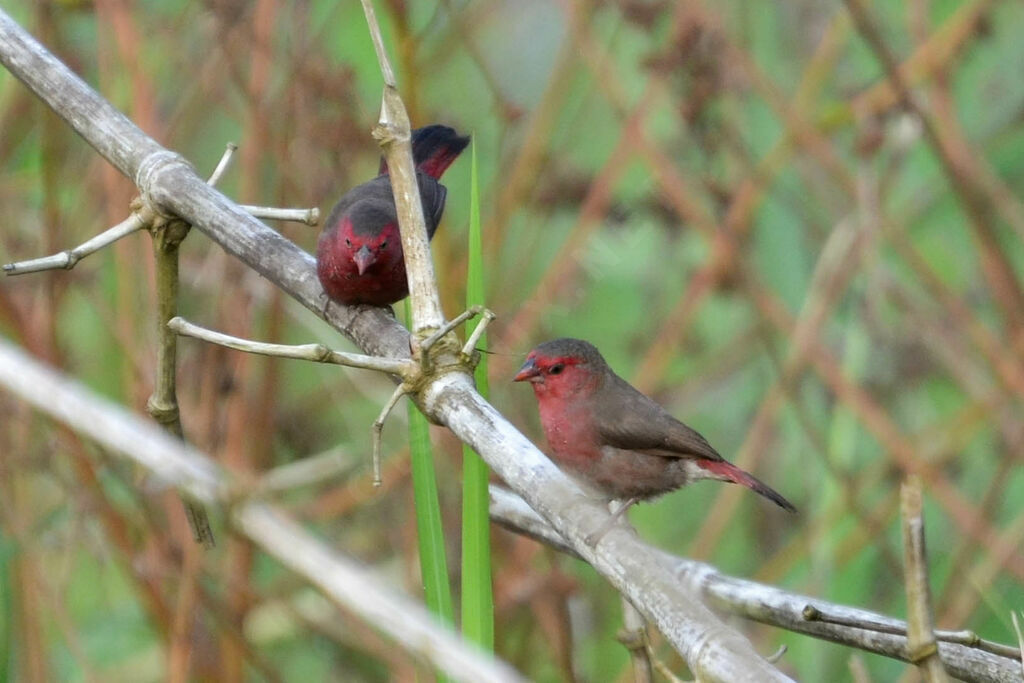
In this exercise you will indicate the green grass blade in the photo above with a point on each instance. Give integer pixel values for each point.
(477, 597)
(433, 563)
(6, 608)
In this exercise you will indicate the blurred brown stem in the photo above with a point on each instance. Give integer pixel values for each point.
(1000, 275)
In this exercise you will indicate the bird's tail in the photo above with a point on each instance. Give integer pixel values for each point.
(726, 471)
(434, 148)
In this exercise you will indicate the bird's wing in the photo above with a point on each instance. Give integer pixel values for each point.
(433, 195)
(375, 197)
(374, 193)
(630, 420)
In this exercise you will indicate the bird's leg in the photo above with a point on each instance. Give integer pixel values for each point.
(378, 427)
(594, 538)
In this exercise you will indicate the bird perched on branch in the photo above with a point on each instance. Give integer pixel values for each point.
(359, 255)
(615, 440)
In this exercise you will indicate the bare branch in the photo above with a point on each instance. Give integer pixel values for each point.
(378, 427)
(921, 642)
(307, 216)
(162, 405)
(67, 259)
(357, 589)
(393, 132)
(634, 637)
(317, 353)
(964, 654)
(378, 45)
(341, 579)
(222, 165)
(470, 346)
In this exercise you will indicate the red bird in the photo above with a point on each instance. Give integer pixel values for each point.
(613, 439)
(359, 256)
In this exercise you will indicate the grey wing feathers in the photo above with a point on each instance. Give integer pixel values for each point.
(376, 191)
(638, 423)
(433, 195)
(375, 196)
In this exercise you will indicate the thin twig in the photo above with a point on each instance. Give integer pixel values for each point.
(864, 620)
(378, 45)
(921, 643)
(634, 637)
(307, 216)
(67, 259)
(378, 427)
(477, 333)
(162, 405)
(222, 165)
(447, 327)
(317, 353)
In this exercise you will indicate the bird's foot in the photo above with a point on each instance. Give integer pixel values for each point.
(593, 538)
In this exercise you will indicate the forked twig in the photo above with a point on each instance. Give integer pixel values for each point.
(409, 371)
(377, 428)
(143, 217)
(67, 259)
(317, 353)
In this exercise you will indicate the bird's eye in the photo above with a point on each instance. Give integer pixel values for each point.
(348, 242)
(556, 369)
(384, 244)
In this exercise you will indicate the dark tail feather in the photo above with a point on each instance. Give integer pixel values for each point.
(434, 148)
(725, 471)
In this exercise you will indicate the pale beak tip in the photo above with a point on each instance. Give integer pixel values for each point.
(527, 372)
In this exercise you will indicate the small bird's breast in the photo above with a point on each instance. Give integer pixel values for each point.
(576, 447)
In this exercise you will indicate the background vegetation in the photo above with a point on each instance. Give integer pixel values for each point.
(728, 199)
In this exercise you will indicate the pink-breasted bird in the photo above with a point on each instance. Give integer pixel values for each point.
(359, 255)
(615, 440)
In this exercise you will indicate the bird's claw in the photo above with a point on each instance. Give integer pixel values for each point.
(594, 537)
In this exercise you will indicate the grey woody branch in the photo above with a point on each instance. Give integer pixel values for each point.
(176, 463)
(963, 653)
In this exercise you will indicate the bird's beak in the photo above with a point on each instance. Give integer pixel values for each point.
(529, 372)
(364, 258)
